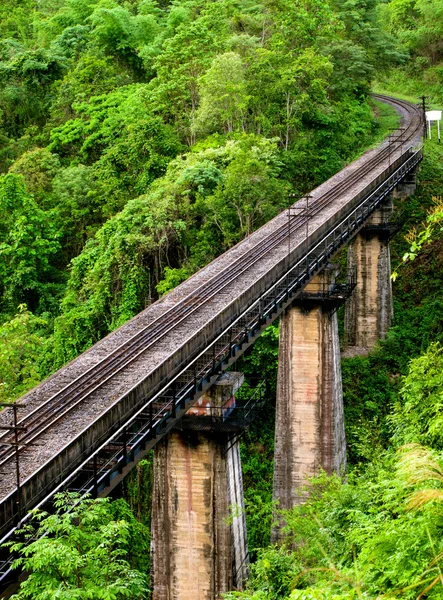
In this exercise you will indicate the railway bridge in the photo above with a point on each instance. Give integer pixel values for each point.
(160, 380)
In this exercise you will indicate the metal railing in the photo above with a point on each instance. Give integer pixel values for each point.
(235, 418)
(390, 227)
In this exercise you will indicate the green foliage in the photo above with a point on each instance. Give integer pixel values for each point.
(91, 75)
(120, 33)
(387, 119)
(117, 133)
(261, 360)
(184, 58)
(28, 242)
(355, 540)
(368, 393)
(137, 551)
(38, 168)
(22, 341)
(417, 280)
(417, 25)
(15, 21)
(81, 552)
(223, 97)
(274, 573)
(257, 454)
(257, 444)
(137, 491)
(172, 278)
(75, 206)
(26, 80)
(417, 414)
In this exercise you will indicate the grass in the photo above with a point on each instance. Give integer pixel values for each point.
(405, 87)
(387, 119)
(379, 89)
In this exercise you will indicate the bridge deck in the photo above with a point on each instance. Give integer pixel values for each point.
(163, 350)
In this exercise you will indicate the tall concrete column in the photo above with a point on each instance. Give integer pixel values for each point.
(369, 311)
(199, 548)
(309, 431)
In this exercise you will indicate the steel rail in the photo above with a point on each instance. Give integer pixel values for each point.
(77, 391)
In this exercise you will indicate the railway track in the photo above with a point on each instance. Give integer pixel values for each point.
(60, 404)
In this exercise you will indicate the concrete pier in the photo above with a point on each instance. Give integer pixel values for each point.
(199, 546)
(369, 311)
(309, 433)
(407, 186)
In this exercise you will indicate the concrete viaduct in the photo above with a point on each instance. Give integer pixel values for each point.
(162, 381)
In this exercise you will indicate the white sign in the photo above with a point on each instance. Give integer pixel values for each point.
(433, 115)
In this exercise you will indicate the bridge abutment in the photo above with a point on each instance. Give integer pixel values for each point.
(309, 431)
(369, 311)
(199, 546)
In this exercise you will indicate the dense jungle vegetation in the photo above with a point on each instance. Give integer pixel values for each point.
(139, 139)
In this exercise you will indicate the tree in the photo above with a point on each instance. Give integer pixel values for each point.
(223, 95)
(122, 34)
(38, 168)
(418, 26)
(250, 195)
(26, 80)
(303, 85)
(417, 415)
(29, 241)
(126, 145)
(184, 58)
(76, 207)
(80, 552)
(22, 343)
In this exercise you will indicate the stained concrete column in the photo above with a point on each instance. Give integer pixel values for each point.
(236, 500)
(369, 311)
(199, 549)
(309, 431)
